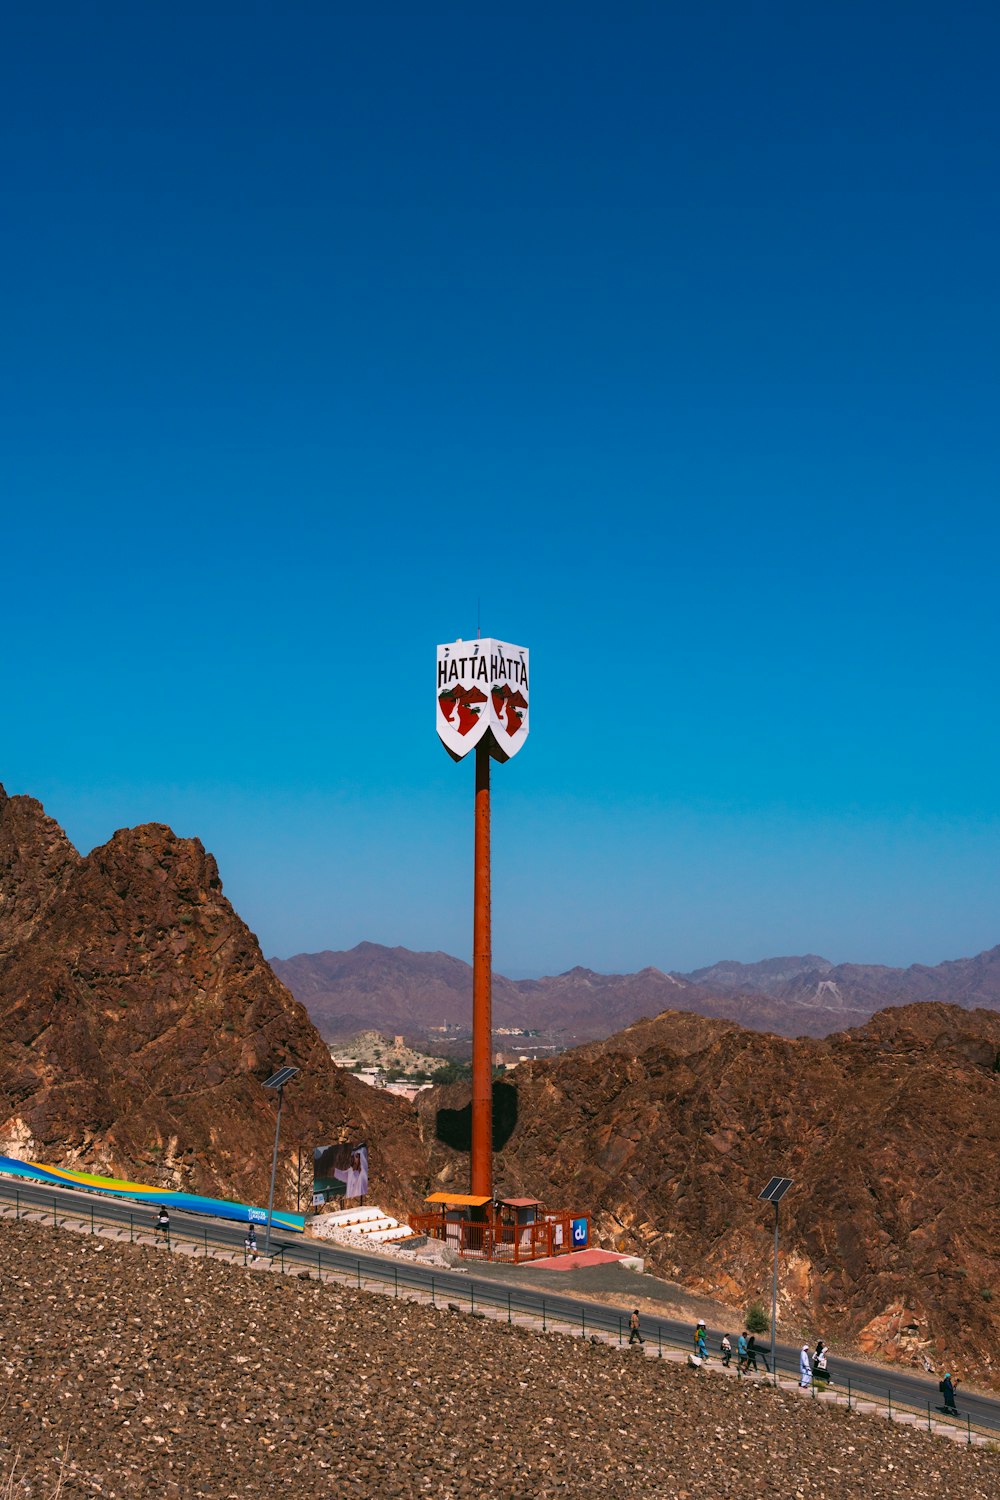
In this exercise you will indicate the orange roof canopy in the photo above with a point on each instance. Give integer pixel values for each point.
(521, 1202)
(459, 1200)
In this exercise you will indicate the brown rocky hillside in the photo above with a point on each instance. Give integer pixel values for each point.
(138, 1019)
(667, 1132)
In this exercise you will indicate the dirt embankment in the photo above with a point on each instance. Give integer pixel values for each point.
(132, 1372)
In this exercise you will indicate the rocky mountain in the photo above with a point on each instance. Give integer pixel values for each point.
(667, 1132)
(393, 989)
(764, 978)
(138, 1019)
(813, 981)
(372, 988)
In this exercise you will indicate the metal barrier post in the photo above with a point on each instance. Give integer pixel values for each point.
(583, 1322)
(889, 1389)
(206, 1241)
(659, 1341)
(472, 1295)
(17, 1202)
(928, 1416)
(131, 1236)
(848, 1393)
(358, 1265)
(92, 1218)
(508, 1307)
(543, 1315)
(55, 1221)
(319, 1265)
(619, 1328)
(433, 1303)
(968, 1428)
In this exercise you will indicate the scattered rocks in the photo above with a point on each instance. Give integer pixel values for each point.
(130, 1372)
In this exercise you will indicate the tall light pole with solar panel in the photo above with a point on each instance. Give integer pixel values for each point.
(773, 1193)
(276, 1081)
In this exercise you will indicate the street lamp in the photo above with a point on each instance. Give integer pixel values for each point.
(276, 1081)
(773, 1193)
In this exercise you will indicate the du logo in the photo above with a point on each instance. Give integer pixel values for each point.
(580, 1232)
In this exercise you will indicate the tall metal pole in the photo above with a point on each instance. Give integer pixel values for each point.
(274, 1170)
(482, 990)
(774, 1302)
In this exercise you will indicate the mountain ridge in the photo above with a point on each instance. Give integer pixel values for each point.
(397, 989)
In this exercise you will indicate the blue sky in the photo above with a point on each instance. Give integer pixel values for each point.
(668, 332)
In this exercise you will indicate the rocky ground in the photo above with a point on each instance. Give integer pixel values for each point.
(131, 1371)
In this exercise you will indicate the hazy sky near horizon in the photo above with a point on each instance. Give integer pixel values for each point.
(669, 333)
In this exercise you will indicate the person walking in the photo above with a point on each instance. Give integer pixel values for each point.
(741, 1352)
(700, 1341)
(752, 1354)
(162, 1226)
(805, 1368)
(727, 1350)
(949, 1386)
(634, 1336)
(250, 1244)
(821, 1369)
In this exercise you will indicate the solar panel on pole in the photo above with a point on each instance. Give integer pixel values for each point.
(775, 1190)
(279, 1079)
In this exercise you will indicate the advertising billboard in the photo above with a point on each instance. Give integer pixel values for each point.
(482, 690)
(340, 1172)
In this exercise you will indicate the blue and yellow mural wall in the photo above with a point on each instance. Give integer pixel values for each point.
(219, 1208)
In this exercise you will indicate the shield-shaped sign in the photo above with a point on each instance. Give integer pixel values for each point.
(482, 689)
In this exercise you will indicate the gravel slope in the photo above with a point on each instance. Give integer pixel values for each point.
(153, 1373)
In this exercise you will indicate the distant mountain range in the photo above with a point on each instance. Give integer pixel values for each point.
(397, 990)
(812, 981)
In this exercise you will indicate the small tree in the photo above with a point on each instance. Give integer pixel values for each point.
(758, 1320)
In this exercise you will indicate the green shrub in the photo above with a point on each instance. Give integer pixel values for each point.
(758, 1318)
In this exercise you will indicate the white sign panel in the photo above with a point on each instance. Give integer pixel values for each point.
(482, 689)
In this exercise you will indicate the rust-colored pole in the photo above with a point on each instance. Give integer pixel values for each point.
(482, 990)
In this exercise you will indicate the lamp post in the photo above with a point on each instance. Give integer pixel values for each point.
(773, 1193)
(276, 1081)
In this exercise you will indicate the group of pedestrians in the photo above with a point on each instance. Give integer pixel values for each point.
(747, 1350)
(814, 1365)
(161, 1231)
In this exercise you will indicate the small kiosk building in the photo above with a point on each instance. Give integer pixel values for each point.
(508, 1229)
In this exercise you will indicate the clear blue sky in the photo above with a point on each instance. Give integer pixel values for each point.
(670, 331)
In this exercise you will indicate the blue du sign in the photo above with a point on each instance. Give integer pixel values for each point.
(579, 1233)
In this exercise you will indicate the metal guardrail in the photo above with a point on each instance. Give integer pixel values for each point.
(449, 1288)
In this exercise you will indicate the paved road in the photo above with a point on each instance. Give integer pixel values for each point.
(906, 1388)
